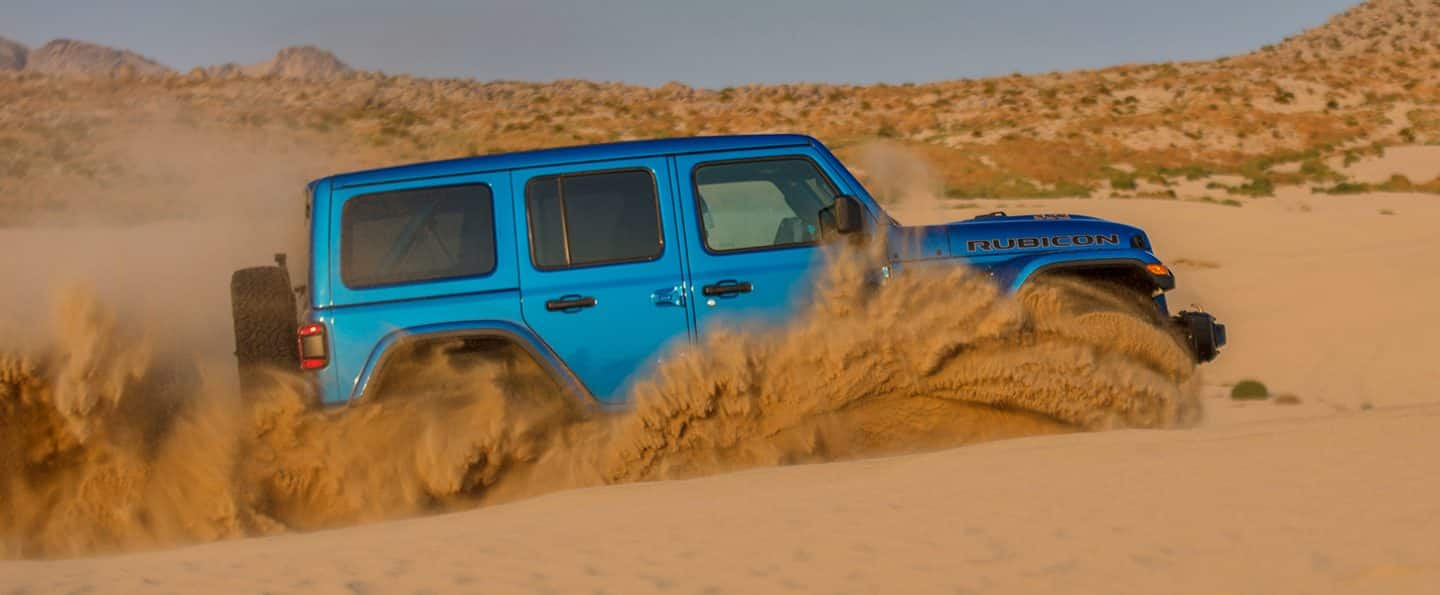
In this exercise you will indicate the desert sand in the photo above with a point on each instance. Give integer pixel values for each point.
(1326, 298)
(1315, 504)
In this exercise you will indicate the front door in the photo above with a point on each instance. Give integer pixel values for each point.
(601, 276)
(752, 222)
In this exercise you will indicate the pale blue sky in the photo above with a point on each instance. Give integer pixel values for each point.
(711, 43)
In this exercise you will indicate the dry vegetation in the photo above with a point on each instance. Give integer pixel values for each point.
(1368, 79)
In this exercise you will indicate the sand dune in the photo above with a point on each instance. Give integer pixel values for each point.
(1312, 505)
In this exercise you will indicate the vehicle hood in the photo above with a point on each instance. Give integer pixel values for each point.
(1000, 235)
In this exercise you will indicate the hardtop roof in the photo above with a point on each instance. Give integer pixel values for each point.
(566, 155)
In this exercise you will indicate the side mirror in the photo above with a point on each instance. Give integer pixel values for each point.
(849, 215)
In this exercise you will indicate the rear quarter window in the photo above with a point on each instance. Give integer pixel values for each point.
(410, 236)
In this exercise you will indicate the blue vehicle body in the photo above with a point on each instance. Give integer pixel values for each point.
(598, 327)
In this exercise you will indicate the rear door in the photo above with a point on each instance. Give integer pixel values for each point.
(752, 221)
(601, 268)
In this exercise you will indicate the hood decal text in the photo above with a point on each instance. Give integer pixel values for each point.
(1062, 241)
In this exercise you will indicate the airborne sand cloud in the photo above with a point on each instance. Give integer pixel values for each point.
(112, 443)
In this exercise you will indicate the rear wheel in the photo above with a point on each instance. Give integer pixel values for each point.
(264, 315)
(458, 365)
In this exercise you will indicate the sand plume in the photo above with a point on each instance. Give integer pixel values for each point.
(113, 443)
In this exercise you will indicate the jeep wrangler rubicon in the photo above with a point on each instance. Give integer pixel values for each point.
(592, 259)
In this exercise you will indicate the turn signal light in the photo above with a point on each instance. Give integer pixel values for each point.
(313, 352)
(1159, 270)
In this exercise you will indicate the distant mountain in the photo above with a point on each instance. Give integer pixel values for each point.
(300, 62)
(67, 56)
(12, 55)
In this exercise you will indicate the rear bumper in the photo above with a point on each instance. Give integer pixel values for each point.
(1203, 334)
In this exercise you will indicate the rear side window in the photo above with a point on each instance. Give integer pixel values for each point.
(591, 219)
(417, 235)
(764, 203)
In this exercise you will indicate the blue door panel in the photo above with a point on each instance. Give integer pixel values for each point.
(778, 277)
(638, 308)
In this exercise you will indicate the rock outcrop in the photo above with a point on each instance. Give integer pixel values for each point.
(13, 55)
(300, 62)
(70, 57)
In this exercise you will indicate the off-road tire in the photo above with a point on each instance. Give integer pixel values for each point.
(264, 315)
(1110, 314)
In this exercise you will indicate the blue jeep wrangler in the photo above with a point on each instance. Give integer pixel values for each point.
(592, 259)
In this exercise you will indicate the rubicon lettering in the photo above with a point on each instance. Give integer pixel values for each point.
(1065, 241)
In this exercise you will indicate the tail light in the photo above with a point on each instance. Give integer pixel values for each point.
(313, 352)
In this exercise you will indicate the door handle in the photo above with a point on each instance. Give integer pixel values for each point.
(724, 288)
(570, 302)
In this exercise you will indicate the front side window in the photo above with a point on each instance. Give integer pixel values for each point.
(759, 204)
(590, 219)
(425, 234)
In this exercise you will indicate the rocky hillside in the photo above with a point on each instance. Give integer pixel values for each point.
(12, 55)
(70, 57)
(1372, 29)
(1294, 113)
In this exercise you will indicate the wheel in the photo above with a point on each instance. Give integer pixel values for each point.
(1110, 315)
(264, 315)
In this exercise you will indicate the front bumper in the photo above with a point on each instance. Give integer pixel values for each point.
(1202, 333)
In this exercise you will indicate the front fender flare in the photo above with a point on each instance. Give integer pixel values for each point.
(1014, 274)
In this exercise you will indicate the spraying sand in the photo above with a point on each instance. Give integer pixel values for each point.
(111, 444)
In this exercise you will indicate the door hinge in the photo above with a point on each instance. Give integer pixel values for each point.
(673, 296)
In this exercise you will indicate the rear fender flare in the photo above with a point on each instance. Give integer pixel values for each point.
(521, 336)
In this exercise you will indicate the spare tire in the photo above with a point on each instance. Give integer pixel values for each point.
(264, 314)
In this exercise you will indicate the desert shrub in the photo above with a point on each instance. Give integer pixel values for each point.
(1122, 181)
(1249, 390)
(1397, 183)
(1283, 96)
(1316, 169)
(1190, 172)
(1256, 187)
(1344, 188)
